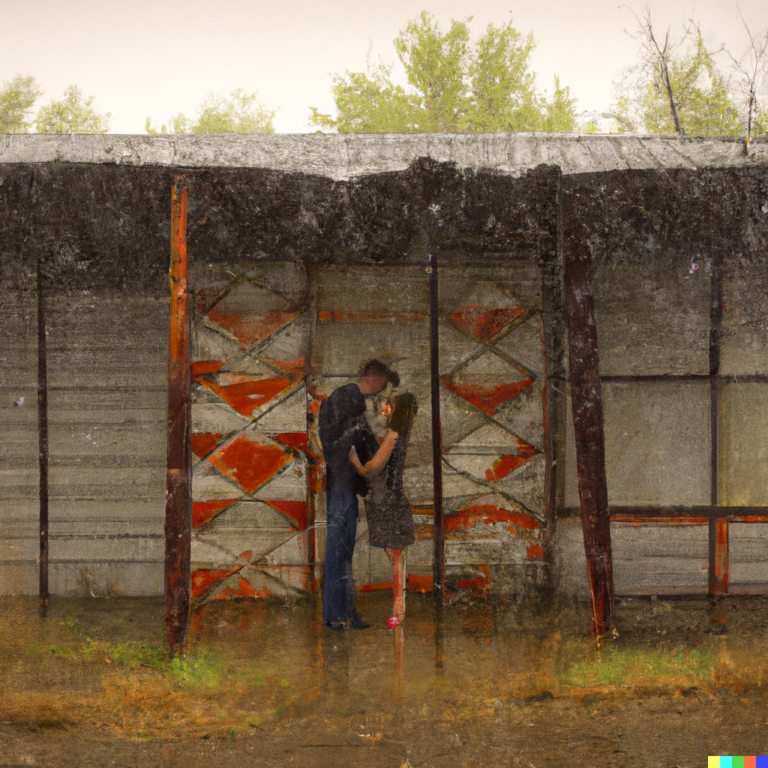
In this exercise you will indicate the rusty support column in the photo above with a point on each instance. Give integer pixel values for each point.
(42, 431)
(587, 409)
(438, 534)
(178, 503)
(718, 526)
(554, 393)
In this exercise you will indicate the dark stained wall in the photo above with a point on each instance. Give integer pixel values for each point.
(102, 234)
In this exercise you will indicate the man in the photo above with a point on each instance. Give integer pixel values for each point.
(343, 426)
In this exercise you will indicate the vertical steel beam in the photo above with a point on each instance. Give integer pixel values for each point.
(309, 387)
(553, 395)
(42, 430)
(438, 533)
(587, 409)
(178, 504)
(718, 526)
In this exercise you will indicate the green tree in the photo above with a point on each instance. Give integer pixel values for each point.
(73, 114)
(241, 112)
(676, 87)
(176, 124)
(453, 86)
(17, 97)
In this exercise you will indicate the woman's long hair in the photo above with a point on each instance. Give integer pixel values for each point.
(404, 410)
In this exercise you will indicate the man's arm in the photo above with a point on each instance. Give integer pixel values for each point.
(380, 458)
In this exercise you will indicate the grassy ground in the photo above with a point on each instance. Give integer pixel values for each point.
(260, 672)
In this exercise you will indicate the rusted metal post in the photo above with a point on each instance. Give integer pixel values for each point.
(718, 526)
(178, 503)
(438, 533)
(587, 408)
(554, 394)
(42, 431)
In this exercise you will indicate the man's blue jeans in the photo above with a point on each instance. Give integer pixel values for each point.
(341, 512)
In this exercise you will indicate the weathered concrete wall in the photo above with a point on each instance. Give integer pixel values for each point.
(101, 229)
(107, 379)
(653, 256)
(350, 155)
(18, 413)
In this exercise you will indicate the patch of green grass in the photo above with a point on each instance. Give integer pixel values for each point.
(615, 665)
(199, 670)
(132, 653)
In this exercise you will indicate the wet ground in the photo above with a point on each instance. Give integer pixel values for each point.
(487, 683)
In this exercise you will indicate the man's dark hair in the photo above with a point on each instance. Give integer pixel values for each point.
(377, 368)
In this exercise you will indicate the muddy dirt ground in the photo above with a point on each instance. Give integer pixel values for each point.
(487, 683)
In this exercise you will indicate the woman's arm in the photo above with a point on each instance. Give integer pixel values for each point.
(380, 459)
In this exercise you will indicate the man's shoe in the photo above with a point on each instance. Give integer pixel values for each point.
(359, 623)
(336, 624)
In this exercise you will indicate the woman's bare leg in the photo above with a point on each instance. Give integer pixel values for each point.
(398, 582)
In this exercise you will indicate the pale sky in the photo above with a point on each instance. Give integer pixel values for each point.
(156, 58)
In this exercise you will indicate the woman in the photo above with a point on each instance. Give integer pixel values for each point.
(390, 521)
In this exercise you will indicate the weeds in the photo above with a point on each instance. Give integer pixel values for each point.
(629, 667)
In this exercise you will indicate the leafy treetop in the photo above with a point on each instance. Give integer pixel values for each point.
(453, 86)
(17, 97)
(241, 112)
(72, 114)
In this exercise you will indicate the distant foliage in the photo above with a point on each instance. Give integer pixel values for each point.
(72, 114)
(241, 112)
(17, 97)
(678, 87)
(700, 91)
(453, 86)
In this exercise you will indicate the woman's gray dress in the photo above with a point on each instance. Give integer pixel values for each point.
(390, 521)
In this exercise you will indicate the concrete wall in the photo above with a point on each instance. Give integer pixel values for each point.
(278, 243)
(653, 319)
(107, 379)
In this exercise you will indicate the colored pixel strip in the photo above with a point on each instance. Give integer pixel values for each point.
(737, 762)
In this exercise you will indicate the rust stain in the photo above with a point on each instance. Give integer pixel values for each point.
(243, 589)
(204, 511)
(204, 442)
(206, 366)
(251, 327)
(419, 583)
(324, 316)
(206, 298)
(721, 556)
(639, 519)
(247, 396)
(295, 511)
(316, 478)
(299, 442)
(249, 463)
(483, 324)
(535, 552)
(294, 368)
(510, 462)
(487, 397)
(480, 587)
(487, 514)
(204, 578)
(314, 406)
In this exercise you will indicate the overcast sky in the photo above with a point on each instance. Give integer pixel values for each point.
(156, 58)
